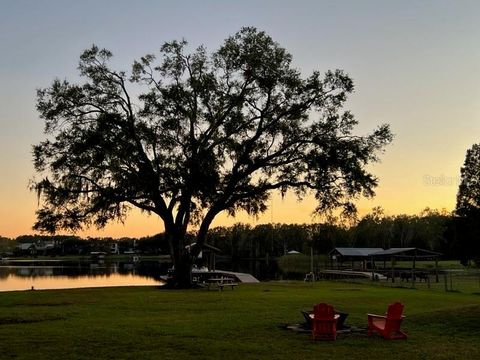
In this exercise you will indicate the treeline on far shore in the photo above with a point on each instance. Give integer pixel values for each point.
(431, 230)
(434, 230)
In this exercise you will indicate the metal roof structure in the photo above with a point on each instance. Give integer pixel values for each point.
(354, 252)
(341, 255)
(407, 253)
(368, 256)
(204, 247)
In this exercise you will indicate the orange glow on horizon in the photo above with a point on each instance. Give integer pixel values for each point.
(287, 210)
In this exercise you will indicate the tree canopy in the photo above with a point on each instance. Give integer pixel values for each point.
(189, 134)
(468, 196)
(468, 205)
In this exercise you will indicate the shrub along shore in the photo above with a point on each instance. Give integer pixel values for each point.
(247, 323)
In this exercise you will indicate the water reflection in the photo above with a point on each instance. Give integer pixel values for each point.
(58, 274)
(66, 275)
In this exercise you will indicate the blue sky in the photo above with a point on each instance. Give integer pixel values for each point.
(416, 66)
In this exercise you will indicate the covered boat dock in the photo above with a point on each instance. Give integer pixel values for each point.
(370, 260)
(352, 256)
(406, 254)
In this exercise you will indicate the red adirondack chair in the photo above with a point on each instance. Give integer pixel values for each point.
(324, 322)
(388, 326)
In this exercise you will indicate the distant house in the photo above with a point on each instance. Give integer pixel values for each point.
(36, 248)
(27, 248)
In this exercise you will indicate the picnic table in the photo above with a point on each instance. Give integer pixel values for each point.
(221, 282)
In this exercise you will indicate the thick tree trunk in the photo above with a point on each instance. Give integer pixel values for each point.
(182, 275)
(182, 258)
(182, 262)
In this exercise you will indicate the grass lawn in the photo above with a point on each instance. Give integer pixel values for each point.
(148, 323)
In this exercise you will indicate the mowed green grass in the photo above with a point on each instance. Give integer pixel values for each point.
(148, 323)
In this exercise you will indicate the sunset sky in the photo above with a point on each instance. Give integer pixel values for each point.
(416, 66)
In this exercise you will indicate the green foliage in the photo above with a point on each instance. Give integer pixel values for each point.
(244, 323)
(6, 244)
(245, 241)
(299, 264)
(429, 230)
(36, 238)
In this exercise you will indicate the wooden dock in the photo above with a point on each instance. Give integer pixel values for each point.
(240, 277)
(345, 274)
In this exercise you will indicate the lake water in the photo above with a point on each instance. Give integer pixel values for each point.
(59, 274)
(22, 275)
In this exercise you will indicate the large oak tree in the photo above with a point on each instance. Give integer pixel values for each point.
(209, 133)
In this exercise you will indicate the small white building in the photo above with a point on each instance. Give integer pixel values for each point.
(293, 252)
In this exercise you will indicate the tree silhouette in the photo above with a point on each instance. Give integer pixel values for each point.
(209, 133)
(468, 197)
(468, 206)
